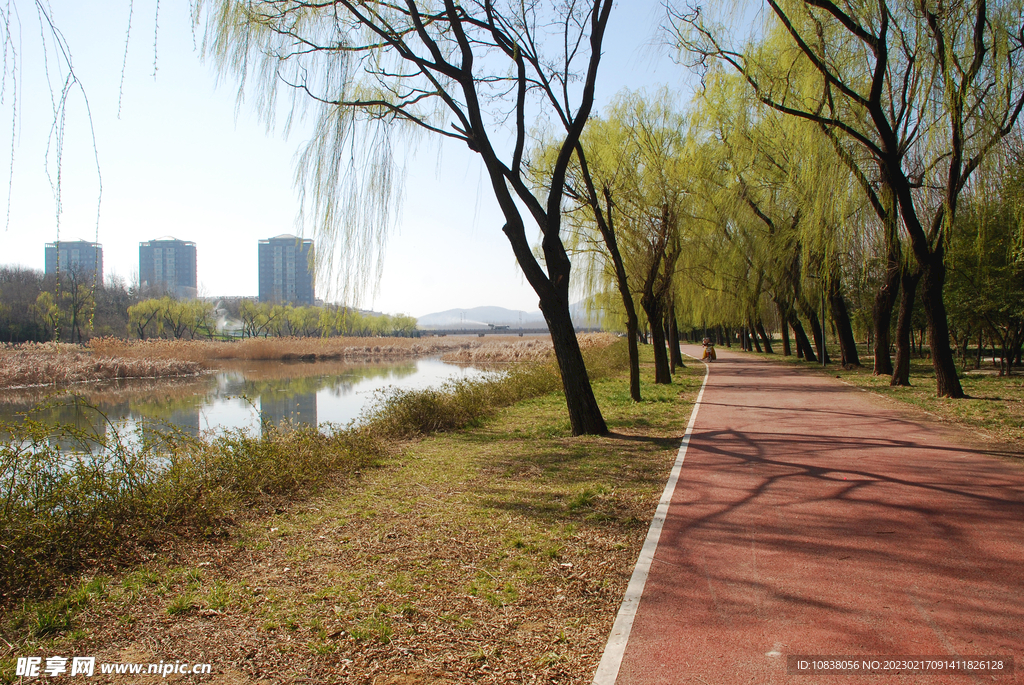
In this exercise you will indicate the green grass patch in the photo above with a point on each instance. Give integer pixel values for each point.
(51, 617)
(376, 627)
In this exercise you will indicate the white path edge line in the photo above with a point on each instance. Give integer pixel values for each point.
(608, 669)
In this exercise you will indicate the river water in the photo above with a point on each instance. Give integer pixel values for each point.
(246, 396)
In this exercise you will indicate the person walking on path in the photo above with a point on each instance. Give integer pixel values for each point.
(813, 520)
(709, 351)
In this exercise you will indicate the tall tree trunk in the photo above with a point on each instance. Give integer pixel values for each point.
(844, 328)
(931, 265)
(753, 337)
(668, 338)
(653, 307)
(885, 298)
(881, 320)
(802, 343)
(946, 378)
(584, 414)
(765, 339)
(784, 324)
(632, 325)
(675, 353)
(908, 290)
(817, 331)
(606, 223)
(1002, 355)
(1020, 345)
(662, 372)
(634, 356)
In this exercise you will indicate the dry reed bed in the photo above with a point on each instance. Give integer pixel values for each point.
(36, 364)
(522, 350)
(48, 364)
(265, 349)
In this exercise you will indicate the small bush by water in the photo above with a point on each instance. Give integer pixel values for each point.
(402, 413)
(62, 511)
(62, 507)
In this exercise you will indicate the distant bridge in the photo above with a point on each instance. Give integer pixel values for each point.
(497, 331)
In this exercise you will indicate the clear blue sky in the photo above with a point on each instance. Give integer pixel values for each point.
(183, 160)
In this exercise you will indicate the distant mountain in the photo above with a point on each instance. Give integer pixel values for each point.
(481, 317)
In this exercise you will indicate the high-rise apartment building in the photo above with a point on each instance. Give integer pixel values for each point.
(286, 270)
(168, 266)
(83, 258)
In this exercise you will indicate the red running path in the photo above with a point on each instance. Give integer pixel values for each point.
(811, 518)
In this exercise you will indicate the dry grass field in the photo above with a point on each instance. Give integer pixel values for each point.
(516, 349)
(265, 349)
(111, 358)
(53, 364)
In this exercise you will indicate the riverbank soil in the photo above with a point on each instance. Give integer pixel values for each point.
(814, 519)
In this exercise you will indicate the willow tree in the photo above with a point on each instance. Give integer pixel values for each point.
(627, 186)
(721, 264)
(921, 90)
(646, 143)
(986, 285)
(591, 222)
(476, 72)
(775, 234)
(748, 205)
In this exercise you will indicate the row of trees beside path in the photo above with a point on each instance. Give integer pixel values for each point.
(848, 127)
(913, 96)
(834, 150)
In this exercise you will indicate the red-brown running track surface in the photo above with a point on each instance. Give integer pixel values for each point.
(811, 518)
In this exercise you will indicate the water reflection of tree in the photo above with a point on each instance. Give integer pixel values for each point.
(279, 409)
(109, 393)
(263, 371)
(177, 402)
(82, 426)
